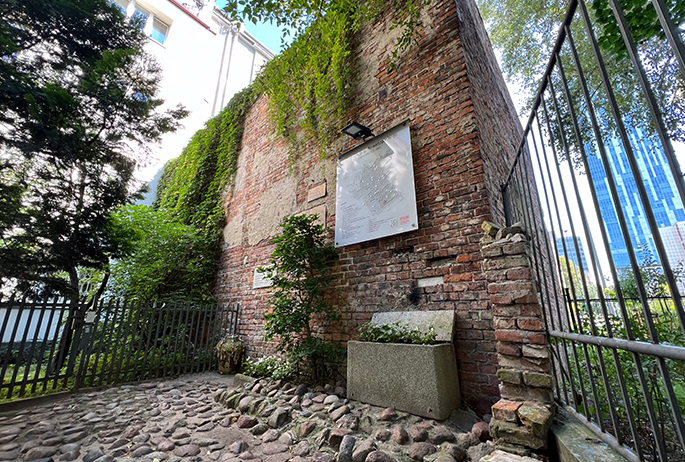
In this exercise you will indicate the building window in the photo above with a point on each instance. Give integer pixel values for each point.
(159, 31)
(144, 19)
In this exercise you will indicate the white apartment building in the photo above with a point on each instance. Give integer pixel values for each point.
(205, 59)
(673, 238)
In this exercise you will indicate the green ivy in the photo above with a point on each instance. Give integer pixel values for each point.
(309, 87)
(311, 84)
(192, 184)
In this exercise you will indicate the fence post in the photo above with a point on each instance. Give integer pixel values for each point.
(522, 418)
(505, 202)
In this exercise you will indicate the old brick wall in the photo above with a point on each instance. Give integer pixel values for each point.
(498, 125)
(522, 418)
(437, 267)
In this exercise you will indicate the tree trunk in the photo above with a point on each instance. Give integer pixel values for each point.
(68, 332)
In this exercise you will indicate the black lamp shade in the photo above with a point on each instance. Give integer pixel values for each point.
(357, 131)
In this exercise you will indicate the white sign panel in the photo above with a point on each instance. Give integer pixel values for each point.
(375, 195)
(261, 280)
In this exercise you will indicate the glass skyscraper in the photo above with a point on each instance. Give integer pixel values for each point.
(571, 250)
(661, 189)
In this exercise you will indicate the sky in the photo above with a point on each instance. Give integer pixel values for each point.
(268, 34)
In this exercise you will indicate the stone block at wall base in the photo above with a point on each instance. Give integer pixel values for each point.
(525, 425)
(419, 379)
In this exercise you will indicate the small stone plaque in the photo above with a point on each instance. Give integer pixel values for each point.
(315, 192)
(320, 211)
(261, 280)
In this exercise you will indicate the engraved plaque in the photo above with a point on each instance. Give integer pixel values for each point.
(315, 192)
(320, 211)
(375, 195)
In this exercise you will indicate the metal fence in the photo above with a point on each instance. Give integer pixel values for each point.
(597, 184)
(54, 345)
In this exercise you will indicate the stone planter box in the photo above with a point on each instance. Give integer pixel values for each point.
(419, 379)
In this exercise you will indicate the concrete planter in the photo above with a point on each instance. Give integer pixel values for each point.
(419, 379)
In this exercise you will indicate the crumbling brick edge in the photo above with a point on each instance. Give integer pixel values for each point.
(522, 418)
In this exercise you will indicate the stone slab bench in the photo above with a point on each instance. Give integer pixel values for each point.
(419, 379)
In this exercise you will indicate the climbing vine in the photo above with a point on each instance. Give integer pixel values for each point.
(192, 184)
(191, 187)
(310, 85)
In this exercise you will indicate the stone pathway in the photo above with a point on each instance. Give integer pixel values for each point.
(203, 417)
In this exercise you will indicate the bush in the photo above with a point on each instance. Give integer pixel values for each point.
(271, 367)
(395, 333)
(300, 268)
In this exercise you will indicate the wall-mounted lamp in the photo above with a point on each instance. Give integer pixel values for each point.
(357, 131)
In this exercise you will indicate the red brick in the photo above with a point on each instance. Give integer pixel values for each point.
(518, 274)
(533, 324)
(506, 410)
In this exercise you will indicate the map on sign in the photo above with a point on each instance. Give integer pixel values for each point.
(375, 195)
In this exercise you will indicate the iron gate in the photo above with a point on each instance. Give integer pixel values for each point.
(601, 193)
(54, 344)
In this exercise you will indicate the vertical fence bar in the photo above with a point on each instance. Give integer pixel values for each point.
(104, 338)
(207, 314)
(590, 241)
(127, 345)
(151, 314)
(162, 319)
(201, 337)
(605, 240)
(654, 110)
(43, 347)
(672, 33)
(183, 367)
(571, 302)
(119, 307)
(32, 348)
(63, 310)
(140, 333)
(179, 333)
(653, 227)
(8, 355)
(552, 324)
(171, 356)
(579, 317)
(635, 170)
(9, 304)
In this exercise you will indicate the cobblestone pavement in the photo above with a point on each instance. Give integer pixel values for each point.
(189, 420)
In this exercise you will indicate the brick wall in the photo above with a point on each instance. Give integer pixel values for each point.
(454, 192)
(522, 418)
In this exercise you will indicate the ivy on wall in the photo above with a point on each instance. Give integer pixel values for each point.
(309, 87)
(311, 84)
(192, 184)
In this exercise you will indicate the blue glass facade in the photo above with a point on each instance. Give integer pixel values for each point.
(571, 250)
(661, 189)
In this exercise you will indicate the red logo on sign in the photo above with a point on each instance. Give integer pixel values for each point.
(404, 220)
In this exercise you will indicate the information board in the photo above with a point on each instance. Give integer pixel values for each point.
(375, 194)
(260, 280)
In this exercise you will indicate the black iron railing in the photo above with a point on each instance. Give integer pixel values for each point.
(598, 186)
(55, 345)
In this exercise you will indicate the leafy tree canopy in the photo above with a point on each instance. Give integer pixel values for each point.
(77, 106)
(525, 31)
(167, 259)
